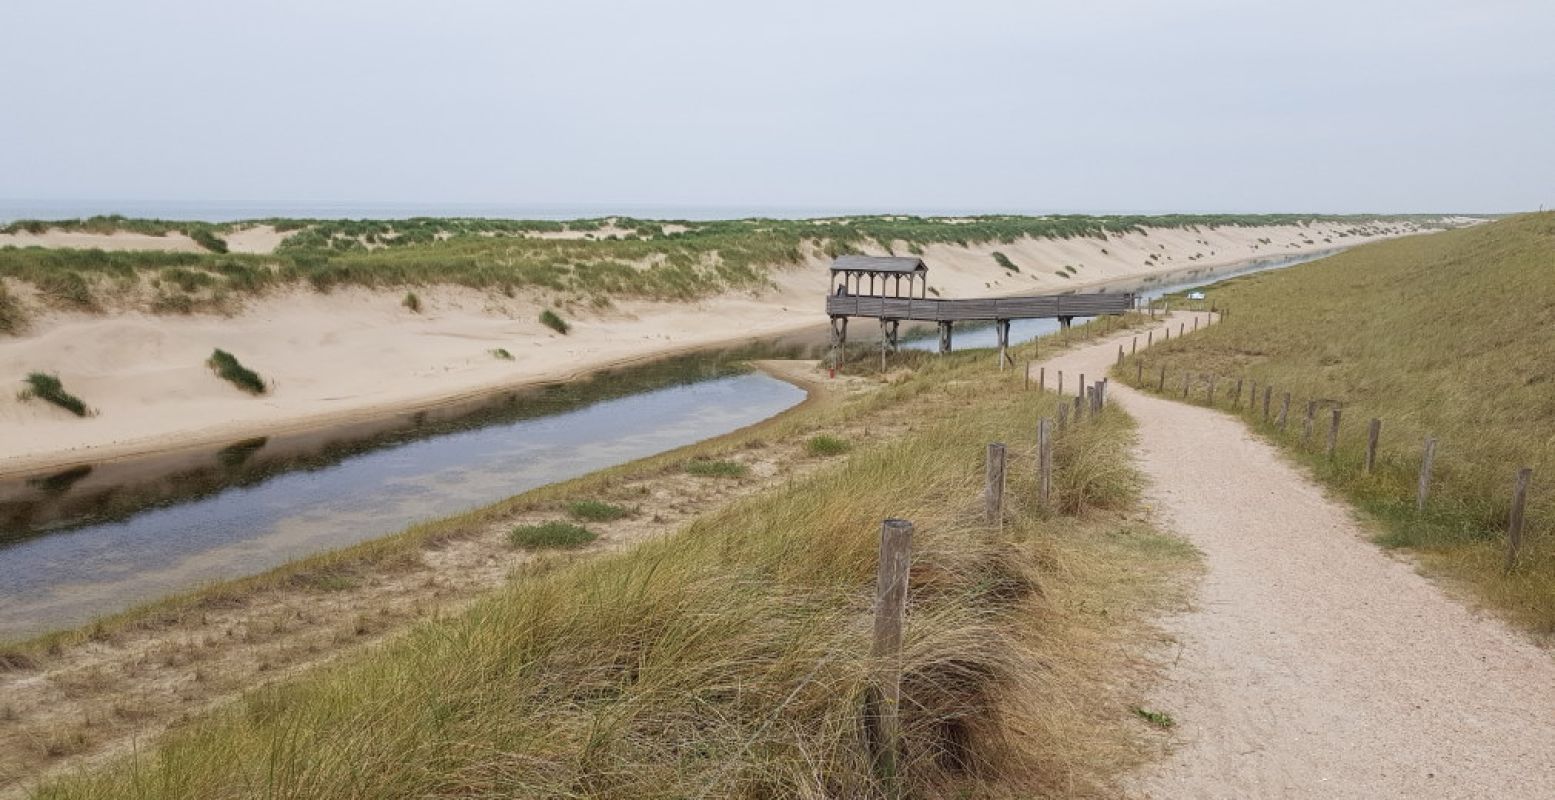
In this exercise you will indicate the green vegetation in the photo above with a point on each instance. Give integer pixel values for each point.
(501, 354)
(412, 301)
(827, 445)
(13, 318)
(596, 511)
(207, 239)
(48, 388)
(618, 258)
(730, 659)
(1004, 261)
(549, 319)
(226, 365)
(550, 536)
(1160, 719)
(1447, 336)
(708, 468)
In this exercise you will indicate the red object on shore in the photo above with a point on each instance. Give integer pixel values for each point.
(834, 372)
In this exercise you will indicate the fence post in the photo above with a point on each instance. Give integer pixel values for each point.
(1167, 336)
(1080, 389)
(1333, 434)
(1306, 424)
(993, 494)
(1514, 526)
(1424, 489)
(1045, 461)
(1210, 393)
(1120, 355)
(1079, 406)
(1133, 346)
(1236, 399)
(1161, 387)
(1139, 373)
(1268, 392)
(1373, 433)
(1041, 379)
(1195, 322)
(1026, 378)
(1187, 379)
(1181, 326)
(890, 618)
(1149, 337)
(1060, 382)
(1284, 412)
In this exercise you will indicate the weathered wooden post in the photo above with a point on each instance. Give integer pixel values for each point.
(1167, 337)
(1236, 399)
(1209, 393)
(1373, 433)
(1080, 389)
(1045, 461)
(1181, 326)
(1079, 406)
(1149, 338)
(1060, 382)
(1514, 525)
(890, 620)
(1133, 346)
(1424, 489)
(993, 494)
(1187, 378)
(1041, 379)
(1139, 373)
(1268, 391)
(1195, 323)
(1161, 387)
(1026, 377)
(1306, 424)
(1284, 412)
(1333, 434)
(1120, 355)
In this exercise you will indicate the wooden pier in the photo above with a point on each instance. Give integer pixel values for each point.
(850, 298)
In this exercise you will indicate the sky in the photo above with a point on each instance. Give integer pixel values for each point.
(1036, 107)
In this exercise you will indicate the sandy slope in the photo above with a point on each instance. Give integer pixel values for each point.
(357, 353)
(1315, 665)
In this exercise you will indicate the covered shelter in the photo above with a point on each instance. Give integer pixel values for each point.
(849, 273)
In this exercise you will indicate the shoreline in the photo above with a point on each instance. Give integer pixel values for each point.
(742, 326)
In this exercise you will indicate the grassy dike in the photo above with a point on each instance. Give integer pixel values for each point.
(1447, 335)
(731, 659)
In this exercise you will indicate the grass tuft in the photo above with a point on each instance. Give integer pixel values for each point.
(227, 366)
(596, 511)
(49, 389)
(412, 301)
(549, 319)
(501, 354)
(1004, 261)
(1160, 719)
(13, 318)
(827, 445)
(550, 535)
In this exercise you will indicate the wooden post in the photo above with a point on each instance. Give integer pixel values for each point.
(1268, 391)
(1063, 416)
(1284, 411)
(1514, 525)
(1120, 355)
(1133, 346)
(1424, 489)
(1026, 377)
(1045, 461)
(1149, 338)
(890, 619)
(1210, 393)
(1236, 400)
(1373, 433)
(1181, 326)
(1333, 434)
(993, 493)
(1079, 406)
(1041, 379)
(1060, 382)
(1139, 373)
(1080, 389)
(1195, 322)
(1161, 387)
(944, 337)
(1306, 424)
(1187, 378)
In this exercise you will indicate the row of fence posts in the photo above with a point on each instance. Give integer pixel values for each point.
(891, 580)
(1281, 419)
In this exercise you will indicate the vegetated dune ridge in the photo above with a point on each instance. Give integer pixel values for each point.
(357, 352)
(1446, 336)
(727, 659)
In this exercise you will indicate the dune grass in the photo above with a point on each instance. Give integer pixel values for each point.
(412, 301)
(732, 659)
(827, 445)
(642, 261)
(13, 318)
(231, 370)
(48, 388)
(1447, 335)
(596, 511)
(550, 536)
(716, 468)
(501, 354)
(551, 320)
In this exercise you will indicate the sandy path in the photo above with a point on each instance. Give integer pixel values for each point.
(1314, 665)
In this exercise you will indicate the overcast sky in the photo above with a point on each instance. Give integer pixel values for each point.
(1134, 105)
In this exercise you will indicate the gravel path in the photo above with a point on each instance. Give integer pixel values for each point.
(1314, 664)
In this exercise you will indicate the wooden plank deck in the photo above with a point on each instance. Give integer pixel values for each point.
(993, 308)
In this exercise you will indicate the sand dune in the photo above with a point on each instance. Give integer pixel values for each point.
(355, 353)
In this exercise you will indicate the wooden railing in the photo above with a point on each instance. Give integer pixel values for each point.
(932, 310)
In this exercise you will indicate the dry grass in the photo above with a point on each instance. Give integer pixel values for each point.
(731, 659)
(1446, 335)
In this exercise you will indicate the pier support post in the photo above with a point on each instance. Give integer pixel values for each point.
(944, 336)
(1002, 328)
(839, 341)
